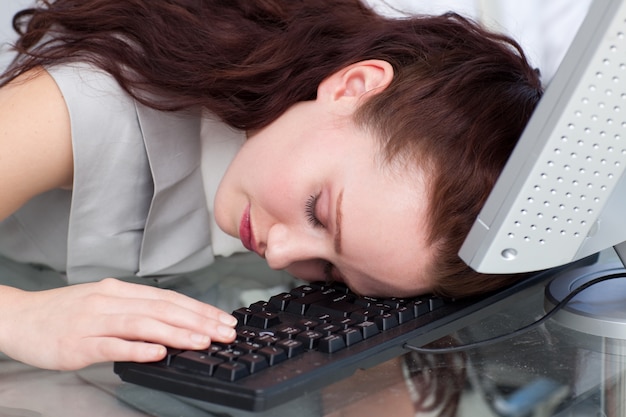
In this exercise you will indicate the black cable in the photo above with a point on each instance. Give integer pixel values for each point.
(522, 330)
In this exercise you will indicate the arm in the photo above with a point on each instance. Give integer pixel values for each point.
(35, 140)
(72, 327)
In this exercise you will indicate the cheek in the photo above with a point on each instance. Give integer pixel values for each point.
(278, 183)
(279, 190)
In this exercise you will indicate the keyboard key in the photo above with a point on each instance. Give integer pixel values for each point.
(171, 354)
(229, 354)
(264, 320)
(291, 347)
(379, 308)
(403, 314)
(324, 318)
(363, 315)
(242, 315)
(273, 354)
(301, 305)
(337, 306)
(435, 302)
(304, 290)
(248, 347)
(197, 362)
(367, 329)
(261, 306)
(307, 324)
(309, 339)
(327, 329)
(331, 344)
(420, 307)
(350, 336)
(254, 362)
(246, 334)
(386, 321)
(231, 371)
(287, 332)
(266, 340)
(344, 323)
(281, 301)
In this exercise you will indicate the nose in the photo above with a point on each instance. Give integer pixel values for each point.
(287, 246)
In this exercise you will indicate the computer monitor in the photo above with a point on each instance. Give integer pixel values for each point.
(562, 194)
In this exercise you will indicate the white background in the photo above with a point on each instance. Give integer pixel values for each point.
(7, 10)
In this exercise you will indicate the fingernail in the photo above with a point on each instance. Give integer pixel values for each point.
(228, 332)
(228, 319)
(200, 339)
(156, 352)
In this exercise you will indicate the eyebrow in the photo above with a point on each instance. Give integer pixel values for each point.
(338, 218)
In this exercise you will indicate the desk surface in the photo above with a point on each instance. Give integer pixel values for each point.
(556, 370)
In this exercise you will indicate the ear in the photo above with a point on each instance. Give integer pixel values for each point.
(356, 82)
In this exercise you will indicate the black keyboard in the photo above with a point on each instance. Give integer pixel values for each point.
(303, 340)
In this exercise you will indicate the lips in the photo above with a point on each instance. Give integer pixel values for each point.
(245, 230)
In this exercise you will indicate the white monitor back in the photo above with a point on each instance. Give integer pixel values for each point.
(562, 194)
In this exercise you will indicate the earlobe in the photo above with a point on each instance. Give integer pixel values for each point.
(358, 80)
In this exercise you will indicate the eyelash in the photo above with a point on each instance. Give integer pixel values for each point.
(310, 211)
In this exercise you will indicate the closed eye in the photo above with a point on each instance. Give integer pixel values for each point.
(310, 209)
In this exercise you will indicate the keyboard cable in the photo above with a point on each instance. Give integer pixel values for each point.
(520, 331)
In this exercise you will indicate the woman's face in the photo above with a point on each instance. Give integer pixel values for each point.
(310, 191)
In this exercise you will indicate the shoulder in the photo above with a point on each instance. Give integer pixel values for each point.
(35, 131)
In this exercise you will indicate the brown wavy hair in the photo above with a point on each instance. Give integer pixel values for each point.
(459, 100)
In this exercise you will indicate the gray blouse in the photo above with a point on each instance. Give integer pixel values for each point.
(137, 207)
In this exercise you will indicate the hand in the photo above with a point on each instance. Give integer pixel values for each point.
(72, 327)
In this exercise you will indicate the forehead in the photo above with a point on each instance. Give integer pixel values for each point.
(384, 229)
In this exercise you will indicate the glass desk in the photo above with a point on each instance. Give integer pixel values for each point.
(550, 371)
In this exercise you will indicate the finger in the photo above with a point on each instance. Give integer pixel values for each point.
(173, 315)
(124, 289)
(111, 349)
(143, 328)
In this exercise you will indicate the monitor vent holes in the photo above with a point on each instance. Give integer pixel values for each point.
(586, 160)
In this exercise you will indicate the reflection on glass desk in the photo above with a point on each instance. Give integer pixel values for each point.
(550, 371)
